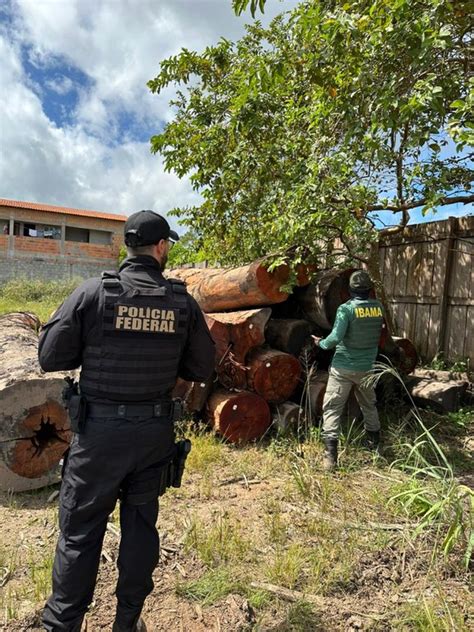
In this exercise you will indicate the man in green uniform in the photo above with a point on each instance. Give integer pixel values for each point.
(355, 335)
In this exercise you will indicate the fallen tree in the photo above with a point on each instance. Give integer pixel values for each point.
(34, 427)
(253, 285)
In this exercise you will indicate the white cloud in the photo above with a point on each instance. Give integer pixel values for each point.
(60, 85)
(68, 166)
(118, 45)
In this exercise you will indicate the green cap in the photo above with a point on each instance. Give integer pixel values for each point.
(360, 280)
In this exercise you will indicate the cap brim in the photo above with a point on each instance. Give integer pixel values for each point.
(174, 235)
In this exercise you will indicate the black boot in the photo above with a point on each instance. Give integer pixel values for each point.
(373, 437)
(330, 455)
(138, 627)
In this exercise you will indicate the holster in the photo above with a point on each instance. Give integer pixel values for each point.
(177, 465)
(75, 404)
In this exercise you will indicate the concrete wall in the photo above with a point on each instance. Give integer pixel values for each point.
(50, 270)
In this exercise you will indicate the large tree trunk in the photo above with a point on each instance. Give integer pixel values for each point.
(193, 394)
(408, 355)
(320, 300)
(34, 426)
(315, 391)
(239, 417)
(235, 334)
(273, 374)
(286, 416)
(445, 396)
(219, 289)
(287, 334)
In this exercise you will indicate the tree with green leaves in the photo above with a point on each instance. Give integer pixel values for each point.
(334, 123)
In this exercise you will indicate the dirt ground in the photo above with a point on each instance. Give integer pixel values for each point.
(386, 575)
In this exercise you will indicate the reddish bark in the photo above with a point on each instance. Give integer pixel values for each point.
(408, 359)
(219, 289)
(235, 334)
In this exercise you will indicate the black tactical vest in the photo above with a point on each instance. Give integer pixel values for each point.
(143, 336)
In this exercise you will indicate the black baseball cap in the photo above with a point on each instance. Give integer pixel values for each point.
(147, 227)
(360, 280)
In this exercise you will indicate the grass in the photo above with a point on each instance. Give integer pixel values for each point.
(206, 453)
(217, 542)
(287, 566)
(432, 494)
(39, 297)
(431, 615)
(40, 573)
(212, 586)
(267, 513)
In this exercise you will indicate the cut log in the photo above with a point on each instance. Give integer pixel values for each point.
(193, 394)
(408, 355)
(441, 396)
(321, 298)
(287, 334)
(235, 334)
(273, 374)
(219, 289)
(286, 417)
(238, 417)
(441, 376)
(34, 427)
(314, 395)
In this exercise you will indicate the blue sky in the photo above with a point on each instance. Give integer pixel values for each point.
(76, 115)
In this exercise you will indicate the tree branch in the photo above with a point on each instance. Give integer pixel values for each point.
(460, 199)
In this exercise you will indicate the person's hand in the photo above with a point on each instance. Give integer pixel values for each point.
(316, 340)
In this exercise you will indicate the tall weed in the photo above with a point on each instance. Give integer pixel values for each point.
(432, 494)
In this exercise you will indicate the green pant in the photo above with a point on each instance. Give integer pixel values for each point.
(339, 386)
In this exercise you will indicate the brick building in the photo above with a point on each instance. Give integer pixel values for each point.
(54, 242)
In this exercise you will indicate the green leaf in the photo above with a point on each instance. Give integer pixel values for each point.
(291, 134)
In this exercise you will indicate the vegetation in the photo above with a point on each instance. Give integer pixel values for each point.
(336, 121)
(398, 525)
(40, 297)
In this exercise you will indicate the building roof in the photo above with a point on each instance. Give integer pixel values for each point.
(64, 210)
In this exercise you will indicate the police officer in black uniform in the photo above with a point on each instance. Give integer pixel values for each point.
(133, 333)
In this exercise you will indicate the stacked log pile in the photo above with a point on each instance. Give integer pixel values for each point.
(265, 356)
(34, 426)
(265, 365)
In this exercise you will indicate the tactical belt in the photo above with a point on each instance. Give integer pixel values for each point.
(164, 408)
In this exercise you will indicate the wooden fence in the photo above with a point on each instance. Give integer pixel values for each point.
(428, 273)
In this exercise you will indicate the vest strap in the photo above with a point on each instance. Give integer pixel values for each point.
(111, 281)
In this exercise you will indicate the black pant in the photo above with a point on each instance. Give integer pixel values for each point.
(99, 460)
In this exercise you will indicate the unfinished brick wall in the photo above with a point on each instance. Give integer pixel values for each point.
(39, 257)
